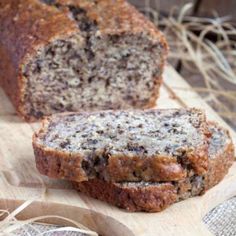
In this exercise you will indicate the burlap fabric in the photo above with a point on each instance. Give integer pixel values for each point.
(221, 221)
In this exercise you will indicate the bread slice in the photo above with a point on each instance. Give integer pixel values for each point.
(151, 145)
(154, 197)
(78, 55)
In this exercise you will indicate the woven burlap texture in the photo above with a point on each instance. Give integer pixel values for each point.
(221, 221)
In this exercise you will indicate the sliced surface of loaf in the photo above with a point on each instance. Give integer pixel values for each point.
(151, 145)
(78, 55)
(154, 196)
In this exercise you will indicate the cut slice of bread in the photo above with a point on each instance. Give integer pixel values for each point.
(151, 145)
(156, 196)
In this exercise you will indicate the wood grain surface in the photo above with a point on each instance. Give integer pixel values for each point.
(20, 180)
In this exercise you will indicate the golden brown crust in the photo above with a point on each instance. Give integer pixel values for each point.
(118, 17)
(27, 25)
(150, 198)
(57, 164)
(154, 197)
(221, 162)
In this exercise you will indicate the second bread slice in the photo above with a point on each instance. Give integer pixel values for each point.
(151, 145)
(156, 196)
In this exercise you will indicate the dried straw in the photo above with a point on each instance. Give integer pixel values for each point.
(10, 225)
(214, 62)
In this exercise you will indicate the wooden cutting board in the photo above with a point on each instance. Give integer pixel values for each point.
(20, 180)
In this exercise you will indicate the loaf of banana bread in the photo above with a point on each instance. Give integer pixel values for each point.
(73, 55)
(150, 145)
(156, 196)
